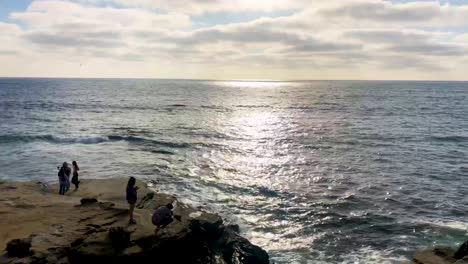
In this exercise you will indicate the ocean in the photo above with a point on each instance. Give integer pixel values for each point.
(314, 172)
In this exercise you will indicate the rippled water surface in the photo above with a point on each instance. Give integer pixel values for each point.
(314, 172)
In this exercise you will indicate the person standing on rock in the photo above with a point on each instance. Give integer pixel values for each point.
(132, 197)
(67, 174)
(63, 175)
(75, 180)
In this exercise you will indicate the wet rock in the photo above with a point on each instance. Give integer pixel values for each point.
(133, 251)
(19, 248)
(154, 200)
(462, 251)
(237, 249)
(234, 227)
(434, 256)
(88, 201)
(209, 224)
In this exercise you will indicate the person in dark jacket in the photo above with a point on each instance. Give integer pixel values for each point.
(132, 197)
(162, 216)
(64, 178)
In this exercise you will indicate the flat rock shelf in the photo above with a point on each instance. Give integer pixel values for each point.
(91, 225)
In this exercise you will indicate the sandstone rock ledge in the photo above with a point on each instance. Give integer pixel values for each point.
(39, 226)
(442, 255)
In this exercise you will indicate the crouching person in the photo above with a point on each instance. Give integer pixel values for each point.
(162, 216)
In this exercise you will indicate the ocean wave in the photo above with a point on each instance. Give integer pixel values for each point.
(370, 255)
(134, 139)
(84, 140)
(88, 140)
(451, 138)
(253, 106)
(53, 139)
(458, 225)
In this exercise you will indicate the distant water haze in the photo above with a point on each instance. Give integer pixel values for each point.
(314, 172)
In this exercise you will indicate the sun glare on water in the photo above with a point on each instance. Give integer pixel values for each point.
(254, 84)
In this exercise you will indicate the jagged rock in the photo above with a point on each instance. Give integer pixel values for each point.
(154, 200)
(88, 201)
(95, 248)
(462, 261)
(462, 251)
(236, 249)
(434, 256)
(19, 248)
(210, 224)
(234, 227)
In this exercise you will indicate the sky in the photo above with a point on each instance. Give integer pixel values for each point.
(235, 39)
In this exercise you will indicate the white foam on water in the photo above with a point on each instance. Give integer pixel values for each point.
(195, 214)
(367, 255)
(278, 242)
(460, 225)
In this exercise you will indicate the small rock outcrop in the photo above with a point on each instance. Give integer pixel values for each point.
(440, 255)
(462, 251)
(19, 247)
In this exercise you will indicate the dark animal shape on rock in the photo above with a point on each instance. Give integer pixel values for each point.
(88, 201)
(19, 248)
(119, 237)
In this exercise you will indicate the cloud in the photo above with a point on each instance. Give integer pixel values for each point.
(8, 52)
(72, 40)
(206, 6)
(409, 41)
(408, 63)
(334, 36)
(389, 35)
(7, 28)
(386, 12)
(47, 13)
(430, 49)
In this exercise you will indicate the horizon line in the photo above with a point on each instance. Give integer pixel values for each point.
(231, 80)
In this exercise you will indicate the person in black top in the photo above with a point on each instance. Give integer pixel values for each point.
(75, 180)
(132, 197)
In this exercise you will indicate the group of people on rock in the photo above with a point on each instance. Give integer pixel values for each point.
(64, 177)
(162, 216)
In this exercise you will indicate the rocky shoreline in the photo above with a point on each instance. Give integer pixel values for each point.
(91, 225)
(442, 255)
